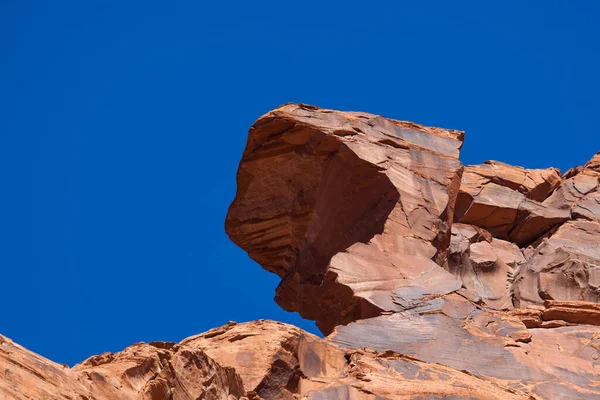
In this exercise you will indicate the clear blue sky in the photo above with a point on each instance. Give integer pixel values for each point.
(122, 124)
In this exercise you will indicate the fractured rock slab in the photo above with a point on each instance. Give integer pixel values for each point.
(142, 372)
(485, 265)
(505, 201)
(493, 346)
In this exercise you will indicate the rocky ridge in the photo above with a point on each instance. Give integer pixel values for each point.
(430, 280)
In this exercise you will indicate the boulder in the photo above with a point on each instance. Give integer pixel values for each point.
(351, 209)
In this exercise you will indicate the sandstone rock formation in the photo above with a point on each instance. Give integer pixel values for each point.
(481, 295)
(276, 361)
(352, 210)
(431, 280)
(505, 200)
(152, 371)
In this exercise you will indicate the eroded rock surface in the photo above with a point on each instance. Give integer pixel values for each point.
(433, 281)
(153, 371)
(275, 360)
(352, 210)
(564, 266)
(485, 265)
(522, 254)
(556, 357)
(506, 201)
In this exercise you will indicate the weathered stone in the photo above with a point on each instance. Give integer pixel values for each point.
(502, 200)
(485, 265)
(142, 372)
(594, 163)
(290, 364)
(575, 312)
(580, 192)
(264, 353)
(25, 375)
(511, 238)
(535, 184)
(565, 266)
(494, 347)
(352, 210)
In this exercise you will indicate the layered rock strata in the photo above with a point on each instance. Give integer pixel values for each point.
(431, 280)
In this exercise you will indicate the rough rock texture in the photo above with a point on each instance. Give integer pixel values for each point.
(485, 265)
(565, 266)
(432, 281)
(275, 360)
(264, 353)
(351, 209)
(535, 184)
(153, 371)
(522, 255)
(557, 356)
(505, 200)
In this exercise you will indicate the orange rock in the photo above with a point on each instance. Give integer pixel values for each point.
(352, 210)
(535, 184)
(143, 372)
(263, 353)
(505, 200)
(485, 268)
(565, 266)
(308, 179)
(580, 192)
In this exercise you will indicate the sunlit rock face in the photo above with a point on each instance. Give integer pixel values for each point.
(506, 201)
(383, 238)
(352, 210)
(142, 371)
(431, 280)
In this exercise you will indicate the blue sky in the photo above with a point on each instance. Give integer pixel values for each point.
(122, 124)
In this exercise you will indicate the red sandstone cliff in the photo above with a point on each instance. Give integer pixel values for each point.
(431, 280)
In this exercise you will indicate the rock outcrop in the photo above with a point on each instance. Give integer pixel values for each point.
(505, 201)
(431, 280)
(152, 371)
(516, 272)
(352, 210)
(275, 360)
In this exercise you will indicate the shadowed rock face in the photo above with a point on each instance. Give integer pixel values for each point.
(485, 265)
(153, 371)
(355, 213)
(471, 300)
(352, 210)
